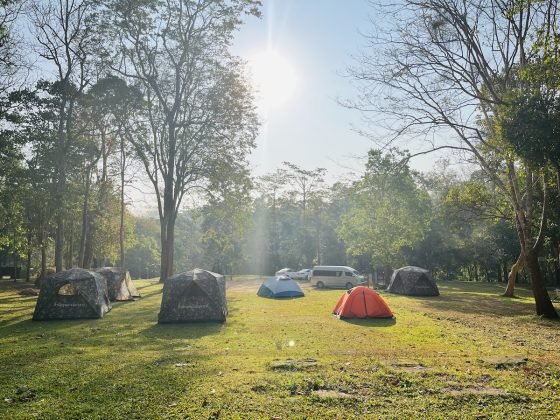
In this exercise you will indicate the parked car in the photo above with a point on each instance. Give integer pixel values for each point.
(290, 272)
(302, 274)
(336, 276)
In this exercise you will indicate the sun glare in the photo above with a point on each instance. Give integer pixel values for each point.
(273, 77)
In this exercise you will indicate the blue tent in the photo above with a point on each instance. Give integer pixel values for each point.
(280, 287)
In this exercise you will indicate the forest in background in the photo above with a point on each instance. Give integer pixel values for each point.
(391, 216)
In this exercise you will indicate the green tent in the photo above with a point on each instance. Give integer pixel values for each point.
(72, 294)
(413, 281)
(119, 284)
(192, 296)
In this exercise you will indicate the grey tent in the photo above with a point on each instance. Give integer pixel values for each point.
(280, 287)
(72, 294)
(119, 284)
(192, 296)
(413, 281)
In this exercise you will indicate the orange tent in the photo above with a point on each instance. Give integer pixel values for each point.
(361, 302)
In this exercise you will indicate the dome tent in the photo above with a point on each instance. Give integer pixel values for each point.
(72, 294)
(119, 284)
(361, 302)
(194, 296)
(280, 287)
(413, 281)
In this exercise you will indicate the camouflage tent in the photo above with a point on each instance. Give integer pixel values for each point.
(71, 294)
(414, 281)
(119, 284)
(191, 296)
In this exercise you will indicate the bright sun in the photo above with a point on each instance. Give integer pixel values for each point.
(273, 77)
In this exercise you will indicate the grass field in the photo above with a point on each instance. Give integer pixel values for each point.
(466, 354)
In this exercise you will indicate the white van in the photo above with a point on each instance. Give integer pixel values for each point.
(336, 276)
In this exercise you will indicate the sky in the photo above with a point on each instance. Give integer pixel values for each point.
(315, 41)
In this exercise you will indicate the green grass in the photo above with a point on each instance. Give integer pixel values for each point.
(283, 359)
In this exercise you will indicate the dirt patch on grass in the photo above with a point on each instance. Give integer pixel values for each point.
(474, 390)
(245, 285)
(327, 393)
(29, 292)
(407, 365)
(294, 364)
(502, 363)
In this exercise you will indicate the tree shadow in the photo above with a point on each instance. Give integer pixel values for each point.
(148, 285)
(183, 331)
(232, 306)
(9, 300)
(147, 295)
(472, 303)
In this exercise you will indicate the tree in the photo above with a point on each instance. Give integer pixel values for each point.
(441, 77)
(199, 108)
(308, 188)
(307, 182)
(143, 256)
(225, 218)
(389, 212)
(66, 39)
(270, 185)
(12, 59)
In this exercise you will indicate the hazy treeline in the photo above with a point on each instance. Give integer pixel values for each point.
(391, 216)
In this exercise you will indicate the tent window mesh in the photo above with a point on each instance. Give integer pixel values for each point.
(68, 290)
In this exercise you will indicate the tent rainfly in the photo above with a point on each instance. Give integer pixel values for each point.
(280, 287)
(119, 284)
(71, 294)
(413, 281)
(361, 302)
(192, 296)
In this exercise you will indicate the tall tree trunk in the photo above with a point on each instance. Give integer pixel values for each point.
(168, 241)
(70, 251)
(60, 186)
(121, 226)
(29, 251)
(168, 222)
(512, 276)
(42, 243)
(499, 272)
(164, 251)
(90, 240)
(170, 246)
(59, 243)
(543, 303)
(85, 222)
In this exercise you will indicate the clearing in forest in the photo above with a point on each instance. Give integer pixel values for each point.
(466, 353)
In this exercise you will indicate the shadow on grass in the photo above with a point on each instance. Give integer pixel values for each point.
(371, 322)
(473, 303)
(13, 316)
(232, 305)
(10, 284)
(186, 330)
(16, 299)
(147, 295)
(146, 286)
